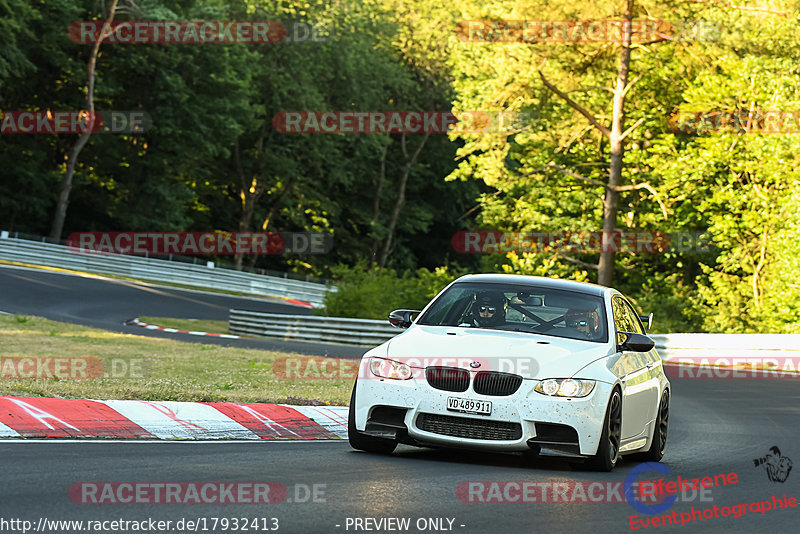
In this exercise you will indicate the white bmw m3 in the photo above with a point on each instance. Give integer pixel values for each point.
(516, 363)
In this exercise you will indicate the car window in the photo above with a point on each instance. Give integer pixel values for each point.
(448, 304)
(622, 319)
(633, 319)
(520, 308)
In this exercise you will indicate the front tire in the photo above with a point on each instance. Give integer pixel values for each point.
(359, 440)
(608, 450)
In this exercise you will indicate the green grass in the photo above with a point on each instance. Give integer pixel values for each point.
(164, 369)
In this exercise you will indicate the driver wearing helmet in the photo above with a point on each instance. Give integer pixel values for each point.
(489, 309)
(586, 322)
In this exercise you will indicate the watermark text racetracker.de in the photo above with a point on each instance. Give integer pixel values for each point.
(583, 31)
(733, 368)
(105, 526)
(198, 243)
(566, 492)
(175, 493)
(71, 368)
(580, 241)
(751, 121)
(403, 368)
(47, 121)
(397, 122)
(197, 32)
(185, 493)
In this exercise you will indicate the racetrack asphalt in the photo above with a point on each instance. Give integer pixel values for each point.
(716, 427)
(107, 303)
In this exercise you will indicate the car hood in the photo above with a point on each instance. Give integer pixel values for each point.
(529, 355)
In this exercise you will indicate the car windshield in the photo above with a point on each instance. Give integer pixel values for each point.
(520, 308)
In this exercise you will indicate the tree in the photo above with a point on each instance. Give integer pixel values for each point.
(37, 73)
(582, 67)
(66, 184)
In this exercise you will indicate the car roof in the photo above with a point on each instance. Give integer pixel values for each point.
(538, 281)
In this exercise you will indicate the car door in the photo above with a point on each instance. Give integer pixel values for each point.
(651, 387)
(636, 367)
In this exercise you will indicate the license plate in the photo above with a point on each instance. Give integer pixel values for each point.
(455, 404)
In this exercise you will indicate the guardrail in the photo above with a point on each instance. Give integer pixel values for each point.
(362, 332)
(371, 332)
(157, 270)
(718, 347)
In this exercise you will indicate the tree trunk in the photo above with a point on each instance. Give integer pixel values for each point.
(66, 183)
(276, 204)
(376, 207)
(239, 260)
(249, 193)
(605, 275)
(401, 196)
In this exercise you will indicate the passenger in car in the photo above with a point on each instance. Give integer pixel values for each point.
(584, 321)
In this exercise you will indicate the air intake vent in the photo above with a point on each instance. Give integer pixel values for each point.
(555, 433)
(465, 427)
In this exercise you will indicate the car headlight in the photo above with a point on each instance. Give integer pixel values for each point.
(565, 387)
(389, 369)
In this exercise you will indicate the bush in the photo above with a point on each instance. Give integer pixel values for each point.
(370, 293)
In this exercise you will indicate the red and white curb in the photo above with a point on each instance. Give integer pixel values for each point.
(41, 417)
(137, 322)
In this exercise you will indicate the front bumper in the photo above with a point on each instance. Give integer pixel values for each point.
(415, 412)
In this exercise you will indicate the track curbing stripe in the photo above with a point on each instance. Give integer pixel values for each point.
(137, 322)
(332, 418)
(8, 432)
(42, 417)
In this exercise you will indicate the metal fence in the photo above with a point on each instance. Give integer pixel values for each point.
(715, 346)
(206, 276)
(370, 332)
(362, 332)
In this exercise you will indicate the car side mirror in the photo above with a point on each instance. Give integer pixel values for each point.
(402, 318)
(648, 320)
(636, 342)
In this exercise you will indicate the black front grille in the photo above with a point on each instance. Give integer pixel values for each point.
(497, 384)
(447, 378)
(465, 427)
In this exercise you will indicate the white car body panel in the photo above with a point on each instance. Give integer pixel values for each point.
(535, 357)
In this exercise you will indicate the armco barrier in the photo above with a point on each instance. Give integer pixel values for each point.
(157, 270)
(673, 346)
(363, 332)
(370, 332)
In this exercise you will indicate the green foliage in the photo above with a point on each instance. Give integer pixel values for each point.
(212, 139)
(13, 29)
(735, 186)
(213, 161)
(369, 293)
